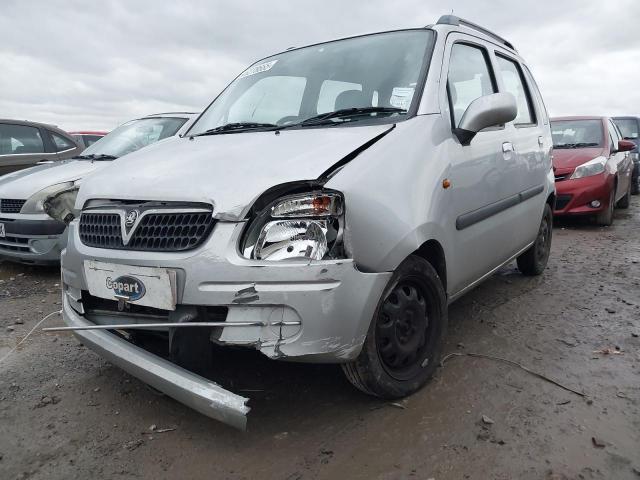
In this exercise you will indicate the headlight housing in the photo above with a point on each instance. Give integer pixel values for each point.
(305, 226)
(590, 168)
(35, 203)
(60, 205)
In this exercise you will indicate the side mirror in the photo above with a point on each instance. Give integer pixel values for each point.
(487, 111)
(624, 146)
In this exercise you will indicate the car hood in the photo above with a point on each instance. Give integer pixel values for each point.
(566, 160)
(24, 183)
(229, 171)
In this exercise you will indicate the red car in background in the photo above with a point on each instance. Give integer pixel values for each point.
(592, 167)
(87, 138)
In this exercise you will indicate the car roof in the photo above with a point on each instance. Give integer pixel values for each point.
(87, 132)
(577, 117)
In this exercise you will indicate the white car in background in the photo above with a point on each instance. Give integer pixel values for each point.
(27, 233)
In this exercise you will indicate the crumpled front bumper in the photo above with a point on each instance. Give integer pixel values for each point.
(188, 388)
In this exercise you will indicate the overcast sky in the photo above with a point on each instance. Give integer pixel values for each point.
(94, 65)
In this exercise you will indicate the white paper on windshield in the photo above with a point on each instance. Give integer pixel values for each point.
(263, 67)
(401, 97)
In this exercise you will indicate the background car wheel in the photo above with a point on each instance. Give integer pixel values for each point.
(635, 186)
(606, 217)
(624, 201)
(404, 341)
(533, 261)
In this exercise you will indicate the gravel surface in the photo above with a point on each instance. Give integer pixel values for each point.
(66, 413)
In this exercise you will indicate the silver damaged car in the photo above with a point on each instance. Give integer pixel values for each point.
(326, 207)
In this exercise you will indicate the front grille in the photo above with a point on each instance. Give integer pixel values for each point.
(11, 205)
(157, 232)
(559, 178)
(14, 244)
(562, 201)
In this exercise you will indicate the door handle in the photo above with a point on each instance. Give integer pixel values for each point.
(541, 141)
(507, 147)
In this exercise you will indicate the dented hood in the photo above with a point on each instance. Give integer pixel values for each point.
(24, 183)
(229, 170)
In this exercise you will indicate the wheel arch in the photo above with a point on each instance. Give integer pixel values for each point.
(432, 252)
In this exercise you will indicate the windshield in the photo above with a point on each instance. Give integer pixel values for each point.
(628, 127)
(134, 135)
(381, 70)
(577, 133)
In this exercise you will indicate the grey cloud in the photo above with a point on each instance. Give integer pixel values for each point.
(96, 64)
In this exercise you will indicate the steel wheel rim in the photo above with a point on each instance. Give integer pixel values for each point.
(403, 329)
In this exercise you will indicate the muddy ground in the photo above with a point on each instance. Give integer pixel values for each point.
(66, 413)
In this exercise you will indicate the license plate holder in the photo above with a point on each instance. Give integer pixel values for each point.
(148, 286)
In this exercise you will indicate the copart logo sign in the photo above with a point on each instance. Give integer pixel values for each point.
(127, 287)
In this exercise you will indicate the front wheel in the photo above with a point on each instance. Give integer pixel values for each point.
(534, 260)
(404, 342)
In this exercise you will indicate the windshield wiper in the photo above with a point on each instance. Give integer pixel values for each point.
(95, 156)
(576, 145)
(235, 127)
(346, 113)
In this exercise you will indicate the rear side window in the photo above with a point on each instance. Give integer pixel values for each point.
(61, 143)
(19, 139)
(469, 78)
(536, 90)
(513, 81)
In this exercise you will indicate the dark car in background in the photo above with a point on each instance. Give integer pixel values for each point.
(592, 167)
(24, 144)
(87, 138)
(630, 128)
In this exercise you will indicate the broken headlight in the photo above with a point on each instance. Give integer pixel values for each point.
(60, 205)
(307, 226)
(35, 203)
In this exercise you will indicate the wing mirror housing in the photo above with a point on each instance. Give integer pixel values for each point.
(486, 111)
(624, 146)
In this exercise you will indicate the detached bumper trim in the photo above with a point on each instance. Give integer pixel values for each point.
(33, 227)
(188, 388)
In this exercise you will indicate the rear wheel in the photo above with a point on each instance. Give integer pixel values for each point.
(404, 341)
(534, 261)
(635, 186)
(606, 217)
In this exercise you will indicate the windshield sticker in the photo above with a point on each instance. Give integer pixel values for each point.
(401, 97)
(263, 67)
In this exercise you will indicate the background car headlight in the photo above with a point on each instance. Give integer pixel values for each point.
(590, 168)
(307, 226)
(35, 203)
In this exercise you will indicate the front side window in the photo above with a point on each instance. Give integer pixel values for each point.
(61, 143)
(134, 135)
(628, 127)
(577, 133)
(380, 70)
(19, 139)
(469, 78)
(513, 82)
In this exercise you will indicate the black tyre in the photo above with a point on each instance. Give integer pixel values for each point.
(624, 201)
(605, 218)
(404, 341)
(635, 186)
(534, 260)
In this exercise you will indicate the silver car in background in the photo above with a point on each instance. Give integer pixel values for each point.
(326, 207)
(27, 233)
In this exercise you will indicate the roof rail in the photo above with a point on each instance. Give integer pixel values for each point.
(457, 21)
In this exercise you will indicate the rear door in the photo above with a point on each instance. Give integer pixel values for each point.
(530, 141)
(21, 146)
